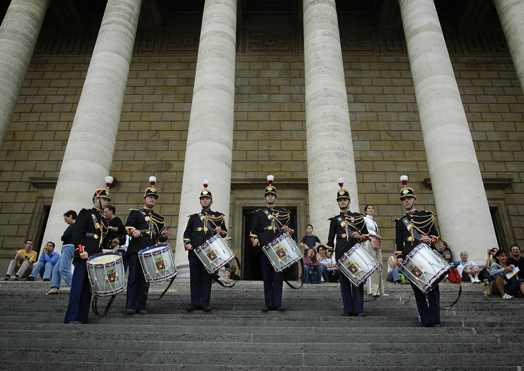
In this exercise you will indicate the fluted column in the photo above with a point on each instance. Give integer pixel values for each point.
(462, 207)
(18, 35)
(89, 152)
(511, 15)
(210, 134)
(329, 143)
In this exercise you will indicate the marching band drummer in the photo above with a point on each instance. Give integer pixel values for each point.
(200, 228)
(350, 229)
(269, 223)
(146, 228)
(412, 229)
(89, 235)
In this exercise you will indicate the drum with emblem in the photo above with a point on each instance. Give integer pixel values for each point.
(106, 273)
(214, 253)
(282, 252)
(157, 262)
(424, 267)
(357, 264)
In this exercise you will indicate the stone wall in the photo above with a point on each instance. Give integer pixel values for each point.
(269, 133)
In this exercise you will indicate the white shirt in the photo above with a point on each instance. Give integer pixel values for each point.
(371, 225)
(327, 262)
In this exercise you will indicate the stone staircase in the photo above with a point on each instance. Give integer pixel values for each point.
(479, 333)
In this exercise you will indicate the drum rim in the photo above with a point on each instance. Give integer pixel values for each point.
(108, 264)
(145, 251)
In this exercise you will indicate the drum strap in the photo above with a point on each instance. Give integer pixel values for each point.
(301, 278)
(94, 305)
(449, 306)
(167, 288)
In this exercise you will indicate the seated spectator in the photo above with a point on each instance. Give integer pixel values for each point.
(443, 247)
(517, 260)
(453, 276)
(469, 267)
(46, 263)
(62, 268)
(309, 241)
(233, 274)
(504, 286)
(447, 257)
(491, 257)
(393, 273)
(23, 262)
(484, 273)
(312, 267)
(332, 269)
(326, 262)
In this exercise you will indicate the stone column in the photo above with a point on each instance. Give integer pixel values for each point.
(89, 152)
(209, 148)
(462, 207)
(511, 14)
(329, 143)
(18, 35)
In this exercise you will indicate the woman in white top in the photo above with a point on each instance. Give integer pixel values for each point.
(375, 284)
(469, 267)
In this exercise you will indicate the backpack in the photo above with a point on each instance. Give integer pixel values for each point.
(454, 276)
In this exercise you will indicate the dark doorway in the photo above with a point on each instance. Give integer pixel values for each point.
(41, 228)
(251, 266)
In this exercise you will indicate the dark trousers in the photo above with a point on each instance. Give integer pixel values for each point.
(428, 311)
(136, 285)
(80, 294)
(352, 296)
(200, 282)
(272, 284)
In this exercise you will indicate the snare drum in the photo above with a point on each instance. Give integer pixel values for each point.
(157, 262)
(106, 273)
(424, 267)
(214, 253)
(282, 252)
(357, 264)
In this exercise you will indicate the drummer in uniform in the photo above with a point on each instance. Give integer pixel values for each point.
(200, 228)
(146, 228)
(269, 223)
(349, 229)
(89, 236)
(412, 229)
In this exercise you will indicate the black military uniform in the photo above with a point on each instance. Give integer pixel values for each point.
(90, 235)
(266, 227)
(409, 230)
(342, 227)
(200, 228)
(150, 224)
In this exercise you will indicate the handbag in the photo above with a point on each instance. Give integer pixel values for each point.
(376, 244)
(454, 276)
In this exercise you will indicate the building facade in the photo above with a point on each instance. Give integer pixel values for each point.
(233, 90)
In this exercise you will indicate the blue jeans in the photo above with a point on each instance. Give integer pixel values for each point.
(45, 270)
(314, 275)
(62, 267)
(393, 276)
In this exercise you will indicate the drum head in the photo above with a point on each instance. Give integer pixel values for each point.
(104, 258)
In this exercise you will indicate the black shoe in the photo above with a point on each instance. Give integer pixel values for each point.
(265, 309)
(142, 311)
(46, 279)
(205, 308)
(436, 325)
(344, 314)
(130, 311)
(7, 277)
(192, 308)
(74, 323)
(279, 308)
(361, 314)
(30, 278)
(421, 325)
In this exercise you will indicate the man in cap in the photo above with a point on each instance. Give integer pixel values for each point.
(200, 228)
(349, 229)
(146, 228)
(269, 223)
(412, 229)
(88, 237)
